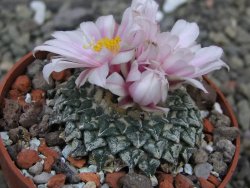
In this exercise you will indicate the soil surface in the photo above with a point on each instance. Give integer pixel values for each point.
(222, 22)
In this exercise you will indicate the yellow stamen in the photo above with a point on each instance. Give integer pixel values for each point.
(111, 44)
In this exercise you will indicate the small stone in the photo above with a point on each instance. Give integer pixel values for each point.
(11, 114)
(219, 120)
(207, 126)
(31, 116)
(56, 181)
(228, 133)
(28, 98)
(243, 114)
(42, 178)
(87, 177)
(188, 169)
(227, 148)
(14, 94)
(166, 184)
(200, 156)
(40, 11)
(22, 84)
(61, 76)
(48, 163)
(26, 173)
(34, 144)
(154, 181)
(38, 95)
(23, 12)
(67, 150)
(182, 181)
(135, 180)
(218, 108)
(38, 82)
(166, 177)
(19, 133)
(36, 169)
(5, 138)
(102, 176)
(35, 67)
(46, 151)
(105, 186)
(209, 148)
(236, 63)
(214, 180)
(112, 179)
(220, 167)
(79, 163)
(203, 170)
(90, 184)
(27, 158)
(53, 139)
(205, 184)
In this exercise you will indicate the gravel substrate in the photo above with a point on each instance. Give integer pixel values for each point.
(222, 22)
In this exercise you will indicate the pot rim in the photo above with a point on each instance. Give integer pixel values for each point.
(20, 66)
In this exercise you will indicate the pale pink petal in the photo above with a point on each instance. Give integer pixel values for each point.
(145, 8)
(90, 31)
(58, 65)
(206, 55)
(187, 32)
(116, 84)
(99, 75)
(216, 65)
(57, 50)
(75, 36)
(123, 57)
(106, 26)
(134, 74)
(82, 78)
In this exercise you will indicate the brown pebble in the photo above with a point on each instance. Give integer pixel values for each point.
(27, 158)
(56, 181)
(22, 84)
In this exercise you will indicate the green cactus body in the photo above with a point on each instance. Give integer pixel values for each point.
(96, 127)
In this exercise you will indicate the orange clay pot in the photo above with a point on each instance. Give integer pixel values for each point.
(12, 174)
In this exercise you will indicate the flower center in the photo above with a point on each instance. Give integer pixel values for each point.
(112, 45)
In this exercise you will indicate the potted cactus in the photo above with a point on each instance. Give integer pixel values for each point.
(113, 108)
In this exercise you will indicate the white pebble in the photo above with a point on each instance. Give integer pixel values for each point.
(105, 186)
(39, 8)
(28, 98)
(154, 181)
(101, 175)
(159, 16)
(215, 174)
(188, 169)
(209, 148)
(93, 168)
(170, 5)
(217, 107)
(90, 184)
(204, 113)
(42, 186)
(6, 139)
(180, 170)
(26, 173)
(34, 144)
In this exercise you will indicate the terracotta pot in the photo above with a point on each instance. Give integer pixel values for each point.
(12, 174)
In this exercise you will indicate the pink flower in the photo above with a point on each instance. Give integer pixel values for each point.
(94, 46)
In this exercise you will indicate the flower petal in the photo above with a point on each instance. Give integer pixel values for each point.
(58, 65)
(116, 84)
(187, 32)
(82, 78)
(123, 57)
(134, 73)
(90, 31)
(99, 75)
(195, 83)
(106, 26)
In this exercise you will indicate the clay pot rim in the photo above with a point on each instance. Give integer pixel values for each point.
(19, 68)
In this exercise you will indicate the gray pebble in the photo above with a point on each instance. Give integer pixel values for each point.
(227, 148)
(200, 156)
(229, 133)
(90, 184)
(38, 82)
(42, 178)
(36, 169)
(203, 170)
